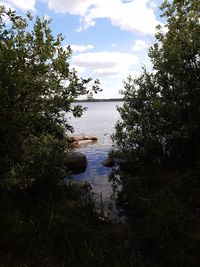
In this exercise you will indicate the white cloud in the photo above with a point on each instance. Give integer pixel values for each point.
(105, 63)
(86, 22)
(139, 45)
(79, 69)
(133, 16)
(110, 67)
(22, 4)
(75, 7)
(81, 48)
(153, 4)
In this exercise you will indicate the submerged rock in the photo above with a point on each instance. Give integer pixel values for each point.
(76, 162)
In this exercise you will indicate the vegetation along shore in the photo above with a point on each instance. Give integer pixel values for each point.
(48, 220)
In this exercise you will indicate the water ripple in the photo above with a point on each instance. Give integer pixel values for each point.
(99, 121)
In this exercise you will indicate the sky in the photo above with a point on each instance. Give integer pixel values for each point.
(109, 38)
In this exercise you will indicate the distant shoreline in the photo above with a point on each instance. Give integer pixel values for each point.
(99, 100)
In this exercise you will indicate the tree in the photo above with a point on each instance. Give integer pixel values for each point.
(160, 118)
(157, 144)
(37, 88)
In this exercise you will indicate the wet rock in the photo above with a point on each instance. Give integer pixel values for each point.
(76, 162)
(108, 162)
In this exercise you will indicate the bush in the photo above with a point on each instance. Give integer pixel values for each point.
(156, 144)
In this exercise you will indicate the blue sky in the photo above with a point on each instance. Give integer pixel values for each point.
(109, 38)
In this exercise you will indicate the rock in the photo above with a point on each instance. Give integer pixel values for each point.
(76, 137)
(108, 162)
(80, 137)
(83, 143)
(90, 137)
(76, 162)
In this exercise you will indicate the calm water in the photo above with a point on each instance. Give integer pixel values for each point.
(99, 120)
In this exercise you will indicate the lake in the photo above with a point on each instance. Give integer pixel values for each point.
(99, 120)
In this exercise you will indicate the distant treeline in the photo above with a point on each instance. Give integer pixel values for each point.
(99, 100)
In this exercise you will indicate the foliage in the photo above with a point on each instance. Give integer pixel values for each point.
(157, 144)
(44, 220)
(162, 210)
(59, 229)
(37, 87)
(160, 118)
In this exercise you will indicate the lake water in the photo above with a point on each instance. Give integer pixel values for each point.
(99, 120)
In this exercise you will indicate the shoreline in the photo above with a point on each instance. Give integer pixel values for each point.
(99, 100)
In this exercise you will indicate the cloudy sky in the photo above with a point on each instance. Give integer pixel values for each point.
(109, 38)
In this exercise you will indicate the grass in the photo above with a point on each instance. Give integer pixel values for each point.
(60, 229)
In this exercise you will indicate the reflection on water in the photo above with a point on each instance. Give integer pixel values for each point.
(99, 120)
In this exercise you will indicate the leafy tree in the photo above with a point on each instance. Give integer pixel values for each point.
(37, 88)
(157, 144)
(160, 117)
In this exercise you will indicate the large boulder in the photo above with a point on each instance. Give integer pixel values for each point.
(76, 162)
